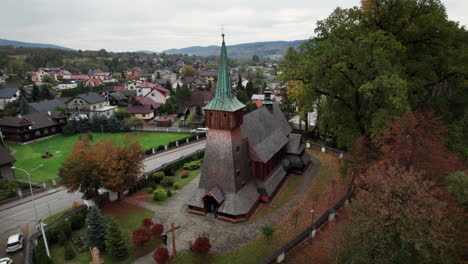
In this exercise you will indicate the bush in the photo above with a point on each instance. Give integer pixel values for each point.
(157, 229)
(161, 255)
(159, 195)
(176, 186)
(202, 245)
(193, 165)
(149, 190)
(158, 176)
(62, 238)
(141, 236)
(52, 236)
(77, 221)
(168, 181)
(185, 174)
(64, 227)
(147, 222)
(69, 253)
(169, 193)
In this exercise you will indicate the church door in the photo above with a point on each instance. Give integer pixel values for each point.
(211, 205)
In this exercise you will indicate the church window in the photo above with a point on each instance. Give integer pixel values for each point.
(237, 172)
(237, 148)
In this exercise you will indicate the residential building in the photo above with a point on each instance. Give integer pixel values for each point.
(46, 106)
(64, 85)
(91, 105)
(8, 95)
(32, 126)
(131, 85)
(6, 162)
(197, 98)
(153, 91)
(144, 109)
(102, 75)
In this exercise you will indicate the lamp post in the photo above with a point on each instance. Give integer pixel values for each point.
(312, 213)
(41, 225)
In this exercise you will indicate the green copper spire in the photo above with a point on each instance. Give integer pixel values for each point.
(267, 100)
(224, 100)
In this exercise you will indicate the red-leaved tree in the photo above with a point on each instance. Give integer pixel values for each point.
(202, 245)
(141, 236)
(157, 229)
(147, 222)
(161, 255)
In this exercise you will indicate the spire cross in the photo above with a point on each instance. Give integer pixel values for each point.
(222, 31)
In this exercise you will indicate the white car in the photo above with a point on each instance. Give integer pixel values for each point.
(15, 243)
(6, 261)
(200, 130)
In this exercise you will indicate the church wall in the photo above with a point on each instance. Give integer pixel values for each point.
(223, 120)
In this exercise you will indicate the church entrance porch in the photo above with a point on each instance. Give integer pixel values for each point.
(210, 204)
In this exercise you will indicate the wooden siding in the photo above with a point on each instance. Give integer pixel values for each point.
(223, 120)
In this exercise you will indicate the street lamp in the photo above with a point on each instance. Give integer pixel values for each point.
(312, 212)
(41, 225)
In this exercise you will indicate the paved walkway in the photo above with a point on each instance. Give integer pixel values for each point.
(224, 236)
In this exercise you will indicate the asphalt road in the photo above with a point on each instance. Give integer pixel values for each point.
(22, 218)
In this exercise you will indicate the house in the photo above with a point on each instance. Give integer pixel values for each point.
(92, 82)
(143, 109)
(197, 98)
(80, 77)
(178, 82)
(147, 77)
(247, 157)
(32, 126)
(91, 105)
(209, 75)
(102, 75)
(45, 106)
(8, 95)
(67, 85)
(6, 162)
(131, 85)
(153, 91)
(117, 98)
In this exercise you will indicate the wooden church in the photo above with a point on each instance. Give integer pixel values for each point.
(247, 157)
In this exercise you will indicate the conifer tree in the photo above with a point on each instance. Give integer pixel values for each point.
(96, 229)
(116, 244)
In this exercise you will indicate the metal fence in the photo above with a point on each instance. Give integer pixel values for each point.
(309, 233)
(162, 129)
(26, 192)
(34, 238)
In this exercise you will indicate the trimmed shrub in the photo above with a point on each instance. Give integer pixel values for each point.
(159, 195)
(158, 176)
(147, 222)
(193, 165)
(65, 228)
(185, 174)
(176, 186)
(141, 236)
(52, 236)
(168, 181)
(202, 245)
(149, 190)
(77, 221)
(62, 238)
(69, 253)
(161, 255)
(169, 193)
(157, 229)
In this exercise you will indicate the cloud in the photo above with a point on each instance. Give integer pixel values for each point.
(157, 25)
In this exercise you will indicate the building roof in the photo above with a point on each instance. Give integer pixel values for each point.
(81, 77)
(8, 92)
(35, 121)
(201, 98)
(208, 73)
(268, 186)
(224, 100)
(101, 74)
(149, 101)
(217, 194)
(90, 98)
(119, 88)
(139, 108)
(118, 96)
(5, 157)
(146, 85)
(266, 130)
(295, 146)
(46, 105)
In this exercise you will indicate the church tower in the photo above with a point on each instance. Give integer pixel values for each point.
(226, 169)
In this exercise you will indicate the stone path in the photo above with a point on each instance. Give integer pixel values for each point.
(224, 236)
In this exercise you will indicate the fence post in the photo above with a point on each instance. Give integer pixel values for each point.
(165, 147)
(331, 217)
(313, 233)
(197, 137)
(177, 143)
(187, 140)
(167, 129)
(20, 193)
(44, 185)
(152, 150)
(307, 144)
(323, 149)
(341, 155)
(54, 182)
(346, 203)
(280, 258)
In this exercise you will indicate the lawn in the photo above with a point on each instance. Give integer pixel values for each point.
(328, 186)
(29, 156)
(129, 218)
(179, 181)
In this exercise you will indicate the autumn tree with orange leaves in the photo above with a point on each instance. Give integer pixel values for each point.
(104, 164)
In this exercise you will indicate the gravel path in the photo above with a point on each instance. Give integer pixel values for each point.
(224, 236)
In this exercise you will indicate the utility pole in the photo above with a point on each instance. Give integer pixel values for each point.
(41, 228)
(174, 252)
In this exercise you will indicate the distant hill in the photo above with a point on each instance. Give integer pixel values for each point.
(247, 50)
(6, 42)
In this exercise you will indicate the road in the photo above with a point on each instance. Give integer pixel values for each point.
(21, 218)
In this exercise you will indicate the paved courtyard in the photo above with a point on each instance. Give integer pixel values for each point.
(224, 236)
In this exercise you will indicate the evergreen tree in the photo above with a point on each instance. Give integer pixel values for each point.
(35, 93)
(249, 88)
(45, 93)
(239, 84)
(116, 244)
(96, 229)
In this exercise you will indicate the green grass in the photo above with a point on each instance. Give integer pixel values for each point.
(178, 180)
(56, 216)
(29, 156)
(129, 218)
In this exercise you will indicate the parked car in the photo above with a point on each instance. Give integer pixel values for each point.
(14, 243)
(200, 130)
(6, 261)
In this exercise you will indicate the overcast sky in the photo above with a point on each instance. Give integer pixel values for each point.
(130, 25)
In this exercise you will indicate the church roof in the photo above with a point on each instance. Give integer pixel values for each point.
(224, 100)
(266, 131)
